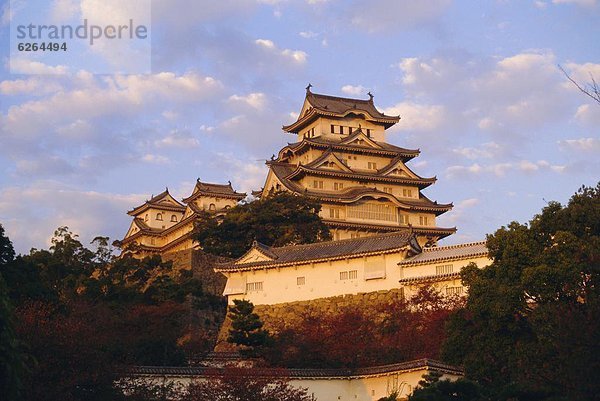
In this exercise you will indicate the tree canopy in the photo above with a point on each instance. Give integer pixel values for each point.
(530, 327)
(277, 220)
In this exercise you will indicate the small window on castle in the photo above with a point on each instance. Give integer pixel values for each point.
(343, 275)
(423, 220)
(341, 130)
(338, 185)
(407, 192)
(368, 132)
(212, 207)
(334, 213)
(387, 190)
(159, 216)
(332, 129)
(352, 274)
(152, 241)
(256, 286)
(372, 165)
(173, 218)
(443, 269)
(318, 184)
(300, 280)
(454, 290)
(404, 219)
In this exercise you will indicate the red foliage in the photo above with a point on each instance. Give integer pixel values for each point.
(353, 337)
(71, 350)
(239, 384)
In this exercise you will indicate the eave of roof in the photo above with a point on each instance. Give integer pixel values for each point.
(326, 251)
(386, 150)
(339, 107)
(448, 253)
(373, 371)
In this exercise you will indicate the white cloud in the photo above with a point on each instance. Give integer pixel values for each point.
(23, 66)
(31, 86)
(354, 90)
(30, 214)
(581, 144)
(254, 100)
(582, 3)
(63, 10)
(296, 56)
(178, 139)
(155, 159)
(308, 34)
(486, 151)
(387, 15)
(418, 117)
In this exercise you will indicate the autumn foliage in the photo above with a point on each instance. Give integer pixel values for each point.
(356, 337)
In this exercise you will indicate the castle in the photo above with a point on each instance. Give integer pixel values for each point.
(340, 158)
(384, 247)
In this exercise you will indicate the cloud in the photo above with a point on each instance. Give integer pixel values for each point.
(178, 139)
(581, 144)
(23, 66)
(256, 100)
(352, 90)
(502, 169)
(295, 56)
(581, 3)
(30, 214)
(155, 159)
(388, 15)
(418, 117)
(35, 86)
(488, 150)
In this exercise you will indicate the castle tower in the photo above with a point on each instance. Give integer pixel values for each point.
(163, 225)
(342, 159)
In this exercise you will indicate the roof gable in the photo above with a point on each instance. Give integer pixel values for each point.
(329, 161)
(330, 250)
(397, 168)
(162, 201)
(358, 138)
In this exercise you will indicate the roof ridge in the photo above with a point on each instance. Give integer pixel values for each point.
(336, 242)
(454, 246)
(339, 97)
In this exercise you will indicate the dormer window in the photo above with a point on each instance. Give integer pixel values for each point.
(212, 207)
(159, 216)
(173, 218)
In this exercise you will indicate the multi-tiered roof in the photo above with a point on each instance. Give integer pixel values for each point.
(342, 159)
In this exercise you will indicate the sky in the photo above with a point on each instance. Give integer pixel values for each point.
(477, 85)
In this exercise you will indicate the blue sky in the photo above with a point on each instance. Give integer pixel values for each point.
(476, 84)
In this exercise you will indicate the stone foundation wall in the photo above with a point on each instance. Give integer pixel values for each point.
(202, 265)
(290, 314)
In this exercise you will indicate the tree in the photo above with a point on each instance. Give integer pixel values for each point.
(7, 252)
(530, 326)
(591, 89)
(277, 220)
(351, 336)
(431, 388)
(246, 328)
(12, 360)
(239, 384)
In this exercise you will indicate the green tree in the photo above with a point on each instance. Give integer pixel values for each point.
(247, 328)
(277, 220)
(530, 328)
(12, 361)
(431, 388)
